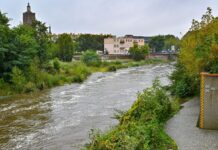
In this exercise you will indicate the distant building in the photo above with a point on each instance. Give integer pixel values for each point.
(28, 16)
(121, 45)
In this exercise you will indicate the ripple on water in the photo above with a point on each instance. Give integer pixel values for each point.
(64, 116)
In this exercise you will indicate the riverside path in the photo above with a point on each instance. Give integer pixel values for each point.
(182, 128)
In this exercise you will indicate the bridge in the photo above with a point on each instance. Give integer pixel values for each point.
(165, 55)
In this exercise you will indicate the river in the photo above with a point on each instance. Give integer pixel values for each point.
(61, 118)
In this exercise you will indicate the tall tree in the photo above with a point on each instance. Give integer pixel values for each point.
(157, 43)
(43, 39)
(65, 47)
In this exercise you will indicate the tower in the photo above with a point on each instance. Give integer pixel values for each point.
(28, 16)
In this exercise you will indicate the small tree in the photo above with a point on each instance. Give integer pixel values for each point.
(139, 53)
(91, 58)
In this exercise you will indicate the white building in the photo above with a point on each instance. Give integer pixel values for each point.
(121, 45)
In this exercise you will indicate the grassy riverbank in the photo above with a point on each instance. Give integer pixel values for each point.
(59, 73)
(142, 126)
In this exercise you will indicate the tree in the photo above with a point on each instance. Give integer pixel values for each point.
(199, 53)
(91, 41)
(157, 43)
(170, 40)
(4, 20)
(42, 37)
(65, 47)
(91, 58)
(25, 46)
(139, 53)
(5, 44)
(207, 17)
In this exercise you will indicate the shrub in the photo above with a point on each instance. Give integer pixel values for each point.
(139, 53)
(141, 127)
(29, 87)
(184, 85)
(56, 64)
(112, 68)
(91, 58)
(18, 79)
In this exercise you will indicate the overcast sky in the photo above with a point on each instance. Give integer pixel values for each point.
(118, 17)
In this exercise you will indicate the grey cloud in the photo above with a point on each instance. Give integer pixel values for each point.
(139, 17)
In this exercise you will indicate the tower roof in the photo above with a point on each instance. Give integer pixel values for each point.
(28, 7)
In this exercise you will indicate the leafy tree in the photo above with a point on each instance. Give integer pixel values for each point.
(161, 42)
(4, 19)
(157, 43)
(170, 40)
(199, 51)
(65, 47)
(91, 41)
(207, 17)
(43, 39)
(139, 53)
(91, 58)
(25, 46)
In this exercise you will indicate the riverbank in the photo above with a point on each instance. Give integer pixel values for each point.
(142, 126)
(60, 74)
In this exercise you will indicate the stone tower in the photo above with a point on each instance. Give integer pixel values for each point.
(28, 16)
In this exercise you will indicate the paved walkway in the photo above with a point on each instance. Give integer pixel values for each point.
(182, 128)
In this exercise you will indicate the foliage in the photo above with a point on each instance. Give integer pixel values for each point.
(20, 45)
(42, 37)
(141, 127)
(17, 79)
(199, 53)
(3, 19)
(157, 43)
(65, 47)
(91, 58)
(139, 53)
(56, 64)
(164, 42)
(91, 41)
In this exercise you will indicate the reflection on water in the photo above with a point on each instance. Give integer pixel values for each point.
(62, 117)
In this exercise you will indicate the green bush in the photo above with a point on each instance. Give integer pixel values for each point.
(56, 64)
(184, 85)
(29, 87)
(139, 53)
(91, 58)
(18, 79)
(141, 127)
(112, 68)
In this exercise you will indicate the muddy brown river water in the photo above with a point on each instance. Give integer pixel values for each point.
(61, 118)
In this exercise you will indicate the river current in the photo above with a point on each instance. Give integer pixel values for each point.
(61, 118)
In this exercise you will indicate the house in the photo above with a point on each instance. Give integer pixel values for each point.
(121, 45)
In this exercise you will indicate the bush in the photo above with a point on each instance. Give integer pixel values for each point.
(141, 127)
(139, 53)
(18, 79)
(91, 58)
(184, 85)
(112, 68)
(29, 87)
(56, 64)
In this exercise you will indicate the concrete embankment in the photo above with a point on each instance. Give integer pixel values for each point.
(182, 128)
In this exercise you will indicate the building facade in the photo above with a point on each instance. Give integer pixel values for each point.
(28, 16)
(121, 45)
